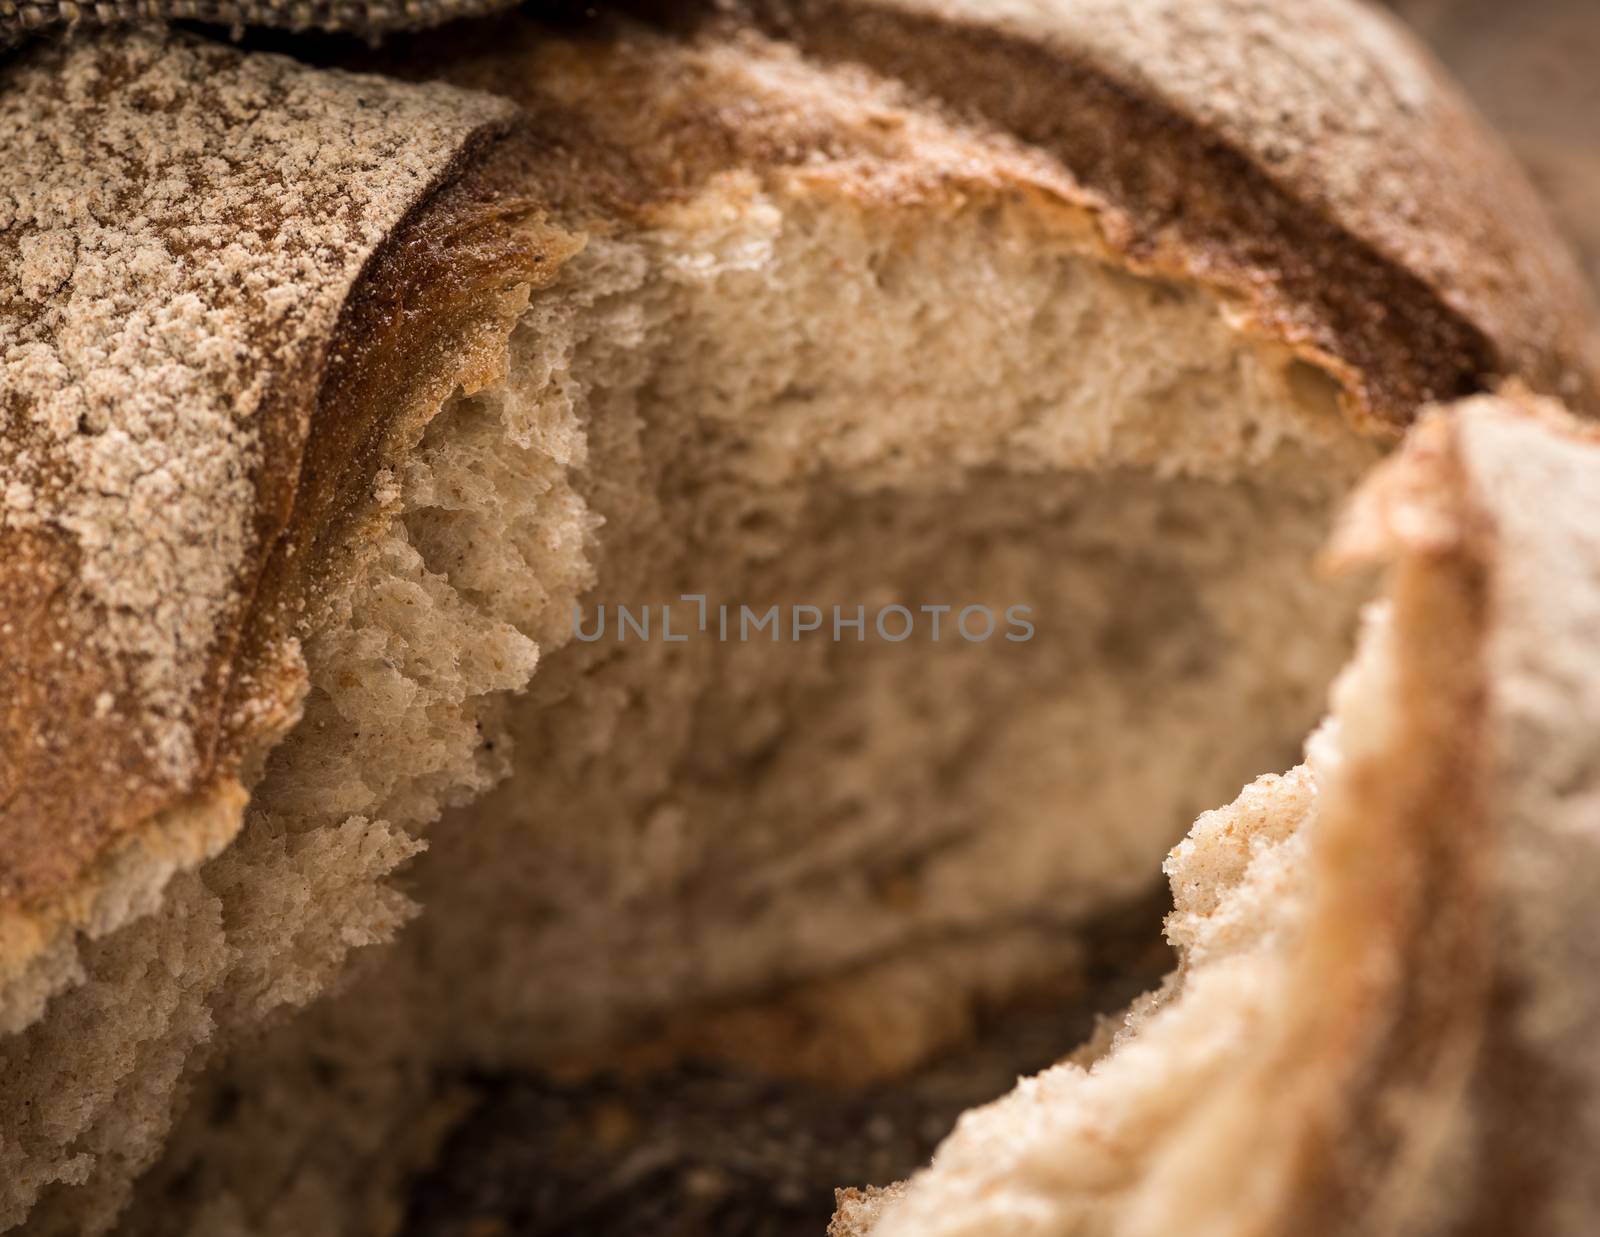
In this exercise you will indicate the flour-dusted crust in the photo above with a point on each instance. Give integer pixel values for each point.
(1306, 157)
(180, 228)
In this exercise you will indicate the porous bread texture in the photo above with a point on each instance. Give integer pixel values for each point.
(856, 1211)
(1070, 440)
(89, 1089)
(127, 884)
(721, 405)
(717, 396)
(1383, 1021)
(1089, 1146)
(1106, 1143)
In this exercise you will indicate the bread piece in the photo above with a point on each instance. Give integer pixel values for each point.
(1255, 144)
(1384, 1019)
(182, 230)
(184, 227)
(652, 341)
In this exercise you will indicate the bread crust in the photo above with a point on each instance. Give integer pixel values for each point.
(1442, 1014)
(1309, 160)
(183, 225)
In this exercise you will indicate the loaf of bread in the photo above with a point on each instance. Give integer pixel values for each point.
(339, 407)
(1384, 1019)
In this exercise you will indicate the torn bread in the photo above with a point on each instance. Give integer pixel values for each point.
(329, 399)
(1383, 1020)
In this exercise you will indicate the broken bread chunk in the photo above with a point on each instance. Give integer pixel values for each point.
(336, 407)
(1383, 1018)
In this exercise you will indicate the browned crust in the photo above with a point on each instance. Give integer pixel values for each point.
(1398, 247)
(427, 318)
(1308, 159)
(1427, 1107)
(1399, 959)
(1537, 1090)
(85, 705)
